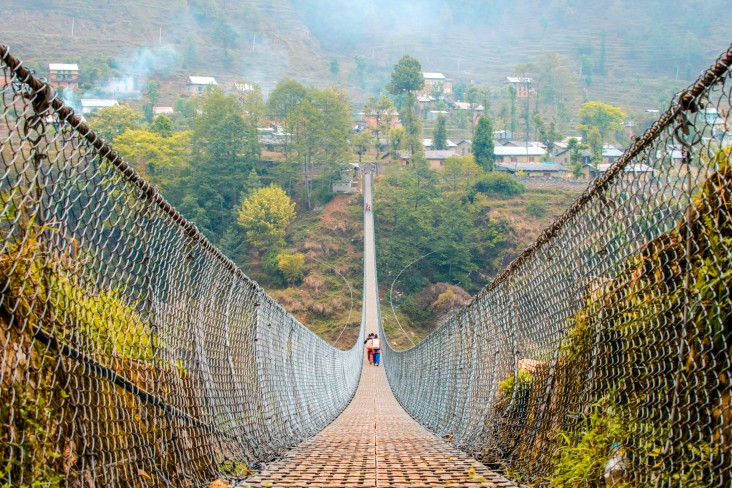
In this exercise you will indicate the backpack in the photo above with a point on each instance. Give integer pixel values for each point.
(375, 344)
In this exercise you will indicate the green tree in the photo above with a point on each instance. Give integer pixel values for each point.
(383, 111)
(499, 182)
(225, 148)
(605, 118)
(439, 135)
(250, 96)
(575, 156)
(594, 141)
(152, 91)
(285, 97)
(406, 77)
(265, 216)
(361, 66)
(227, 37)
(460, 174)
(556, 86)
(162, 125)
(549, 135)
(252, 183)
(396, 138)
(110, 122)
(335, 66)
(483, 145)
(361, 143)
(476, 95)
(160, 159)
(319, 126)
(291, 266)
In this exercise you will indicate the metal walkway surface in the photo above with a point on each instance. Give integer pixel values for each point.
(374, 442)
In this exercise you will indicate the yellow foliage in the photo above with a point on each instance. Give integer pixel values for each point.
(265, 215)
(291, 265)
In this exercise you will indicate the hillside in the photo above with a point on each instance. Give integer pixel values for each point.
(637, 51)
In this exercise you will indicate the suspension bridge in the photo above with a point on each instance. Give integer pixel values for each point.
(136, 354)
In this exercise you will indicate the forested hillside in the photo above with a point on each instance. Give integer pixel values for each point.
(648, 47)
(252, 160)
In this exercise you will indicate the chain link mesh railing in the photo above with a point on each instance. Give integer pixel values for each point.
(133, 352)
(601, 356)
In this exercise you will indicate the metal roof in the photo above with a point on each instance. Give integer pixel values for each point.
(63, 67)
(434, 76)
(443, 154)
(518, 151)
(201, 80)
(528, 167)
(98, 102)
(518, 79)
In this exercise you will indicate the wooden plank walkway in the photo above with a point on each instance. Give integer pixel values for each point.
(374, 442)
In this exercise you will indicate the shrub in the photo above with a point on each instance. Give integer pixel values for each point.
(536, 208)
(291, 266)
(501, 183)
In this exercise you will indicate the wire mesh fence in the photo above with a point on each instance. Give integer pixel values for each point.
(601, 356)
(133, 352)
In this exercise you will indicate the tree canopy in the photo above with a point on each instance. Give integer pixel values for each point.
(406, 77)
(439, 135)
(483, 145)
(110, 122)
(606, 118)
(320, 126)
(265, 215)
(287, 95)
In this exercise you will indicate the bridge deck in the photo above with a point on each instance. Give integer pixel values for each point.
(374, 442)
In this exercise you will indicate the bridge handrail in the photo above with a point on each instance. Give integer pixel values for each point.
(134, 351)
(601, 354)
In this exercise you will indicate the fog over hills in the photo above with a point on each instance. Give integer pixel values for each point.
(354, 43)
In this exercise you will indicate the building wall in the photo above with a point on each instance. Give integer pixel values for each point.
(63, 78)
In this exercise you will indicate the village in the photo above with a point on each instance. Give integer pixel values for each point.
(569, 159)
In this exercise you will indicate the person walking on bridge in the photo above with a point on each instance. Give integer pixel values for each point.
(376, 349)
(369, 349)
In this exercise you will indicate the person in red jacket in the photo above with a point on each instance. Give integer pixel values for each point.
(369, 349)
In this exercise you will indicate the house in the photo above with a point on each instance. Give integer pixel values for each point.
(637, 169)
(526, 153)
(464, 147)
(429, 144)
(435, 158)
(436, 85)
(120, 86)
(521, 84)
(477, 110)
(610, 154)
(272, 138)
(502, 135)
(433, 114)
(197, 84)
(91, 105)
(391, 117)
(163, 110)
(63, 75)
(242, 87)
(347, 179)
(546, 168)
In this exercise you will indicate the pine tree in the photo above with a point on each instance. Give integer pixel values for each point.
(483, 146)
(439, 135)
